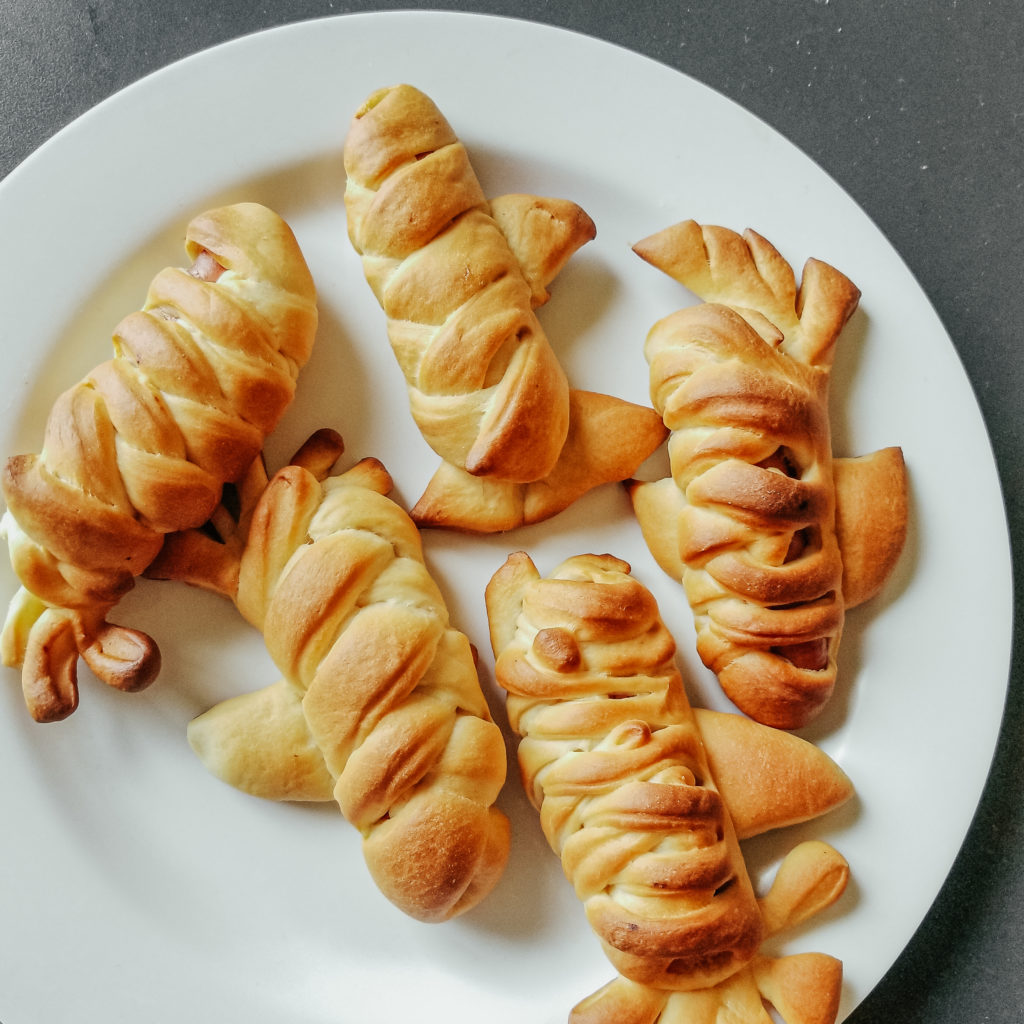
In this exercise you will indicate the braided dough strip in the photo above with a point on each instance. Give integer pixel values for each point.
(458, 279)
(485, 388)
(589, 670)
(741, 380)
(612, 758)
(144, 444)
(380, 704)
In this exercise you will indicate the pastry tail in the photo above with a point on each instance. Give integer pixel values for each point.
(50, 642)
(608, 440)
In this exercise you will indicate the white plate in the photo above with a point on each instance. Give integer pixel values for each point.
(133, 885)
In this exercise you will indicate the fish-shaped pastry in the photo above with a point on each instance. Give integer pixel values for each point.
(144, 444)
(617, 763)
(379, 707)
(458, 279)
(771, 537)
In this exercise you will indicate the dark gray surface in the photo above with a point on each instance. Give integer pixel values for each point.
(917, 109)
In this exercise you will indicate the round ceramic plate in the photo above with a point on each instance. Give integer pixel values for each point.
(134, 884)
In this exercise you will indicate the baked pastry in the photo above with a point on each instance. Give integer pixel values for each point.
(458, 279)
(144, 445)
(612, 758)
(485, 388)
(741, 380)
(380, 705)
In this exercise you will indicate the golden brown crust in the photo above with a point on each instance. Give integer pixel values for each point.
(805, 988)
(381, 705)
(872, 513)
(611, 756)
(751, 455)
(741, 380)
(746, 272)
(542, 233)
(142, 446)
(484, 386)
(811, 877)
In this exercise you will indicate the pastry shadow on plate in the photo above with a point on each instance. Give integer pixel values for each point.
(313, 186)
(580, 297)
(844, 379)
